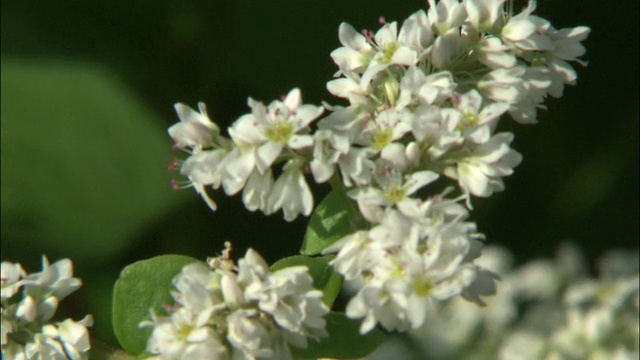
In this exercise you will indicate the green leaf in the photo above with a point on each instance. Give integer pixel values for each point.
(344, 340)
(324, 278)
(84, 162)
(335, 217)
(143, 285)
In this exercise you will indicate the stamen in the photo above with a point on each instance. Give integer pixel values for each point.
(174, 185)
(382, 20)
(173, 164)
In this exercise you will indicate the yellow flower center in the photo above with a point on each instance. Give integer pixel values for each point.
(388, 50)
(381, 138)
(395, 193)
(422, 287)
(280, 132)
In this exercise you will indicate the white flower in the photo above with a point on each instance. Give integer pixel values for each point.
(387, 126)
(445, 15)
(493, 53)
(257, 189)
(271, 129)
(391, 189)
(250, 334)
(485, 15)
(11, 275)
(185, 335)
(566, 47)
(470, 103)
(328, 149)
(480, 173)
(404, 263)
(195, 129)
(356, 53)
(356, 253)
(287, 295)
(504, 85)
(27, 309)
(199, 289)
(243, 312)
(65, 340)
(203, 169)
(416, 88)
(291, 194)
(54, 280)
(27, 318)
(238, 165)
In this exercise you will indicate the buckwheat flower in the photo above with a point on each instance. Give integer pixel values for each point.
(14, 351)
(449, 50)
(470, 103)
(26, 329)
(27, 309)
(537, 80)
(10, 278)
(356, 253)
(251, 335)
(328, 148)
(238, 312)
(516, 342)
(356, 166)
(256, 192)
(348, 87)
(65, 340)
(485, 15)
(391, 189)
(271, 129)
(493, 53)
(398, 296)
(238, 165)
(287, 295)
(290, 193)
(184, 335)
(566, 47)
(54, 280)
(416, 33)
(521, 26)
(387, 126)
(480, 173)
(199, 289)
(397, 49)
(416, 88)
(203, 169)
(356, 52)
(504, 85)
(195, 129)
(445, 15)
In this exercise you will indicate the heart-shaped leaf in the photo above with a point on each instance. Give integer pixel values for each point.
(143, 285)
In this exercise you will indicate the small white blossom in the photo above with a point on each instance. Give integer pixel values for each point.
(195, 129)
(271, 129)
(243, 312)
(480, 173)
(290, 193)
(26, 329)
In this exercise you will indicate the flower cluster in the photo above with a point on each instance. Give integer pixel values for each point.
(420, 252)
(29, 302)
(246, 311)
(424, 102)
(545, 310)
(277, 133)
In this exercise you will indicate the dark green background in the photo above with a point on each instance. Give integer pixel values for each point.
(87, 94)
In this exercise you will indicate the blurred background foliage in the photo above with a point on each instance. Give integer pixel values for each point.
(87, 94)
